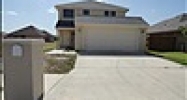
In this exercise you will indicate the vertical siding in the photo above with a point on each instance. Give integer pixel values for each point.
(162, 42)
(180, 43)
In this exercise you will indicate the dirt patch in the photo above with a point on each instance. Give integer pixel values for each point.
(59, 64)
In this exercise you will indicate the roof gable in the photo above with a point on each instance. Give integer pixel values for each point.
(91, 5)
(29, 31)
(171, 24)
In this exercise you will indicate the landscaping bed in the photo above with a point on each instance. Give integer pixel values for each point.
(59, 64)
(178, 57)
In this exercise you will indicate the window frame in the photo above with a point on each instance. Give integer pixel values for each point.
(86, 12)
(107, 13)
(68, 13)
(113, 13)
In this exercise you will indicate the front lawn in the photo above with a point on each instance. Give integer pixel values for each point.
(49, 46)
(178, 57)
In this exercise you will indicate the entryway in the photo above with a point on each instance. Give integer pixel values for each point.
(66, 39)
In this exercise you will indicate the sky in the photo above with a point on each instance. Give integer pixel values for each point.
(42, 14)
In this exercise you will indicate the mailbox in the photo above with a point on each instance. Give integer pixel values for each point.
(17, 50)
(23, 69)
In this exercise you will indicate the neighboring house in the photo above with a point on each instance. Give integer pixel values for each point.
(30, 32)
(166, 36)
(49, 37)
(98, 26)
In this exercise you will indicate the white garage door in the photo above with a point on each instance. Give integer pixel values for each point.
(111, 40)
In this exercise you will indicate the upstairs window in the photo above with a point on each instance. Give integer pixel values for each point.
(110, 13)
(106, 13)
(86, 12)
(113, 13)
(69, 13)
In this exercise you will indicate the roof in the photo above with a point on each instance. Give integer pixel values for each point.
(110, 20)
(171, 24)
(91, 5)
(29, 30)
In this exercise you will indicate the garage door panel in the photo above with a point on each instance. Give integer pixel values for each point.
(110, 39)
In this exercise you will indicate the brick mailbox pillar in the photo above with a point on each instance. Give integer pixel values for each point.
(23, 69)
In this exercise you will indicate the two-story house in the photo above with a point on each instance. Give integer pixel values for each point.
(98, 26)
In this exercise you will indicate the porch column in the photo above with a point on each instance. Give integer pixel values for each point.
(59, 42)
(78, 39)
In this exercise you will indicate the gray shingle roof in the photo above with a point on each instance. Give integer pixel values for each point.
(29, 30)
(111, 20)
(24, 30)
(171, 24)
(92, 5)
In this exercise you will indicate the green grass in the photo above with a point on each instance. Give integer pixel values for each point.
(178, 57)
(49, 46)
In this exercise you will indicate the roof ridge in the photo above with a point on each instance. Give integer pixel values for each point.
(170, 24)
(24, 28)
(171, 18)
(96, 2)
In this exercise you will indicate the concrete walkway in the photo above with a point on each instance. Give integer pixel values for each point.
(121, 78)
(51, 80)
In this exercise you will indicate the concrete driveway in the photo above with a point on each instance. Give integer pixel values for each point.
(121, 78)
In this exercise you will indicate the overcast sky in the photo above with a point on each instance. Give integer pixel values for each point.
(41, 13)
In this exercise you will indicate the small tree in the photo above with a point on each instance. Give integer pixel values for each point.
(183, 30)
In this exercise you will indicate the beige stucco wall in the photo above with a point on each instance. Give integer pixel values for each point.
(78, 38)
(142, 42)
(23, 75)
(121, 30)
(38, 68)
(110, 38)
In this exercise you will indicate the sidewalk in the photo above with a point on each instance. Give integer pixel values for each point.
(50, 80)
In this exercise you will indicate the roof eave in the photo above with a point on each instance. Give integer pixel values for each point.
(166, 31)
(140, 26)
